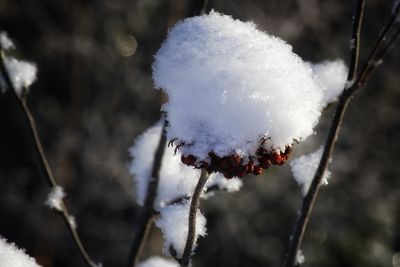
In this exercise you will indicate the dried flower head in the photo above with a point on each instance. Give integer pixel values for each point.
(237, 97)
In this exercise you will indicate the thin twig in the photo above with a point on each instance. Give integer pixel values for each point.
(64, 214)
(144, 222)
(194, 205)
(355, 49)
(378, 60)
(372, 60)
(309, 200)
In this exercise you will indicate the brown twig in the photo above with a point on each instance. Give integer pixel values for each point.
(381, 48)
(374, 55)
(64, 214)
(194, 205)
(144, 222)
(309, 200)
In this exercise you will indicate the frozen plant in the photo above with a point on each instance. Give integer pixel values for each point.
(22, 73)
(18, 76)
(176, 179)
(300, 258)
(11, 256)
(237, 97)
(173, 222)
(54, 199)
(304, 167)
(157, 262)
(356, 78)
(176, 183)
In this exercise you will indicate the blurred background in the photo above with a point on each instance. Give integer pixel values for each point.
(94, 95)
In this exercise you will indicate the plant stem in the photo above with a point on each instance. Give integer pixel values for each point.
(309, 200)
(144, 222)
(374, 56)
(45, 166)
(194, 205)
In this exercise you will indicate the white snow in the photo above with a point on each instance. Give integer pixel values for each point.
(230, 84)
(22, 73)
(176, 179)
(54, 199)
(348, 84)
(158, 262)
(304, 167)
(11, 256)
(5, 42)
(229, 185)
(300, 259)
(332, 77)
(173, 223)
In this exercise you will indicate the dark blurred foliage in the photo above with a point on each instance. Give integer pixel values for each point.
(94, 95)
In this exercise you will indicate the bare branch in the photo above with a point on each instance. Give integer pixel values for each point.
(375, 57)
(309, 199)
(194, 205)
(64, 214)
(355, 48)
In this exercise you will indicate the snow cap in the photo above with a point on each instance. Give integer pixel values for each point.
(230, 84)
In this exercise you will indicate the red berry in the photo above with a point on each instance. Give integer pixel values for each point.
(189, 160)
(257, 170)
(235, 160)
(224, 163)
(276, 158)
(250, 167)
(242, 171)
(264, 162)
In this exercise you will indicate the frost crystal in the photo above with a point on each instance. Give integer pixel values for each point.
(332, 78)
(11, 256)
(230, 84)
(54, 199)
(158, 262)
(176, 179)
(300, 259)
(5, 42)
(22, 73)
(173, 222)
(304, 167)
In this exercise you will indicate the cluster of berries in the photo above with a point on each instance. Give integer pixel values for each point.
(235, 166)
